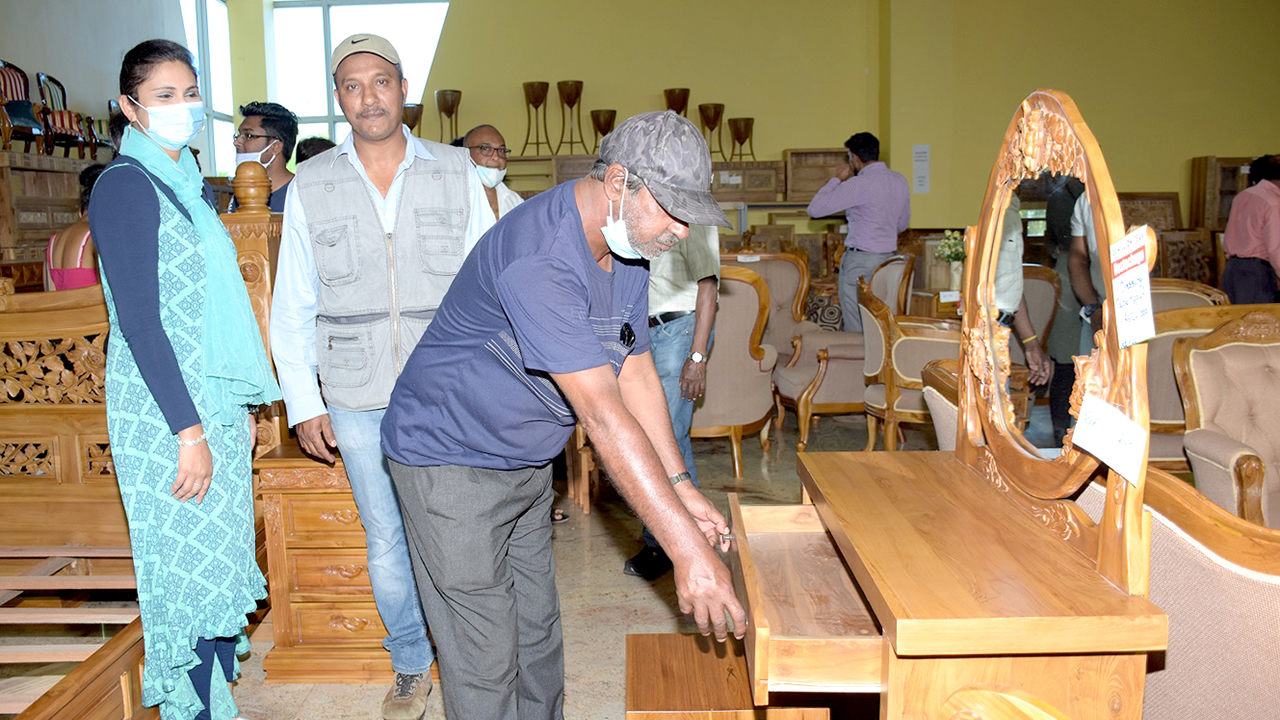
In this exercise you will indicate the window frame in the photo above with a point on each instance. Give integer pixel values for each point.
(205, 82)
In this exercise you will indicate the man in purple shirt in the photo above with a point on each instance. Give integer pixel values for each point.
(877, 202)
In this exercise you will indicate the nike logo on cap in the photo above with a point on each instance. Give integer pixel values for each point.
(353, 42)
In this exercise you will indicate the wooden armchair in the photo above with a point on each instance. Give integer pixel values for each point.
(1230, 379)
(738, 398)
(19, 117)
(824, 374)
(896, 349)
(99, 130)
(787, 277)
(1175, 293)
(66, 127)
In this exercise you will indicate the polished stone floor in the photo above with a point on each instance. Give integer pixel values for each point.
(600, 605)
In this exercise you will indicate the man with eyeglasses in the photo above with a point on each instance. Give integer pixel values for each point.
(374, 231)
(489, 152)
(266, 136)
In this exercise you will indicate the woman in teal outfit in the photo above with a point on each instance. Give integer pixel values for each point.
(185, 367)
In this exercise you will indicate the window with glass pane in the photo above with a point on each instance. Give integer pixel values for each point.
(224, 149)
(219, 59)
(301, 70)
(303, 50)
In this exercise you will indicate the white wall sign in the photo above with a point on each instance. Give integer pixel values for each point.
(920, 169)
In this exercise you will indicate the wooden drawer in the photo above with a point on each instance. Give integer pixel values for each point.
(323, 521)
(343, 624)
(810, 630)
(327, 572)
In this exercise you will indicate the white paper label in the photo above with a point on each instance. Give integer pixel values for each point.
(748, 258)
(949, 296)
(1111, 436)
(730, 178)
(1131, 288)
(920, 169)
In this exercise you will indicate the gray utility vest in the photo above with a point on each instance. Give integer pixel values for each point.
(378, 290)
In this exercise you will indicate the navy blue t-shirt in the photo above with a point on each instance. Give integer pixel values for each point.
(530, 300)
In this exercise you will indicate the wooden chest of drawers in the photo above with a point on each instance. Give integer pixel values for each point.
(326, 626)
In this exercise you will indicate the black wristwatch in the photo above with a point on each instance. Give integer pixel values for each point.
(1006, 318)
(1087, 311)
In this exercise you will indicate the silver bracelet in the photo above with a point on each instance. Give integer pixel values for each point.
(677, 479)
(191, 443)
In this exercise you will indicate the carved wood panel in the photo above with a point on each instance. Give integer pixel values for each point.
(54, 371)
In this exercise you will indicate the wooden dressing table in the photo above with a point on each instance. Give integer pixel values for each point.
(967, 584)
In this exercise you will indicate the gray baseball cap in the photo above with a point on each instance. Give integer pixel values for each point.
(668, 153)
(363, 42)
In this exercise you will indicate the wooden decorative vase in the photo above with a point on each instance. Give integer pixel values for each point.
(411, 115)
(535, 99)
(711, 114)
(602, 122)
(677, 99)
(570, 116)
(447, 102)
(740, 130)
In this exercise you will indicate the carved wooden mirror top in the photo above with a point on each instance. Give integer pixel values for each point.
(1048, 134)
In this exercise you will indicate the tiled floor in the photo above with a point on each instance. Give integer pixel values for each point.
(600, 605)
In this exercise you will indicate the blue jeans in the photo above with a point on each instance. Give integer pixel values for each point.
(670, 343)
(359, 436)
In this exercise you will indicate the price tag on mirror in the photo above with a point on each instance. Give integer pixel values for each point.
(1131, 288)
(1111, 436)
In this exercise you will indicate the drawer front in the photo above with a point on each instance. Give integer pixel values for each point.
(329, 572)
(352, 623)
(332, 521)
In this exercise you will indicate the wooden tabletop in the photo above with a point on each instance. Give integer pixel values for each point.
(951, 567)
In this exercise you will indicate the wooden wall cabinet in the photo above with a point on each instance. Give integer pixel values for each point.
(39, 195)
(1215, 182)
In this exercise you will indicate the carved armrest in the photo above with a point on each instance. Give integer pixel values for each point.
(770, 359)
(841, 351)
(807, 326)
(806, 346)
(1227, 471)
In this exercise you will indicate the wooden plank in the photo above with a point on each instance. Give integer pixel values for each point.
(74, 551)
(952, 567)
(16, 694)
(48, 566)
(69, 582)
(68, 616)
(72, 652)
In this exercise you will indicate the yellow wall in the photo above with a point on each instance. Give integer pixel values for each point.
(1158, 81)
(252, 50)
(761, 58)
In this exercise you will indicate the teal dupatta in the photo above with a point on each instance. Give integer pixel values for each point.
(237, 373)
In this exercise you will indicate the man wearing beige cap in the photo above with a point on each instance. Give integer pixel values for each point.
(547, 326)
(374, 231)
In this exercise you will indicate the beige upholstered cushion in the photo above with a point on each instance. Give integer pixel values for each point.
(739, 387)
(1238, 388)
(1171, 299)
(911, 354)
(945, 417)
(873, 343)
(885, 284)
(1164, 400)
(908, 400)
(1166, 448)
(1213, 457)
(1223, 629)
(783, 279)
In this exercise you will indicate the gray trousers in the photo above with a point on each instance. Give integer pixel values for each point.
(481, 547)
(853, 265)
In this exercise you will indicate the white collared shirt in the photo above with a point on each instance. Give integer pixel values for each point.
(297, 284)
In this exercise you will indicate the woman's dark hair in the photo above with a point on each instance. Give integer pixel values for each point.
(88, 177)
(139, 61)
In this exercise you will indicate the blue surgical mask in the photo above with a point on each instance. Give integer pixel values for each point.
(615, 231)
(491, 177)
(173, 126)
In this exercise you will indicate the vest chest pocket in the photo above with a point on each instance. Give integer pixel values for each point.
(334, 244)
(346, 353)
(439, 234)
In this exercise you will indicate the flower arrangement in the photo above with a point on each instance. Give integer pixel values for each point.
(951, 247)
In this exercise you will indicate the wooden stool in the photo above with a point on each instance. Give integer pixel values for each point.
(687, 676)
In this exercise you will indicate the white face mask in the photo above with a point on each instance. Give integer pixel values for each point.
(615, 231)
(491, 177)
(173, 126)
(244, 157)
